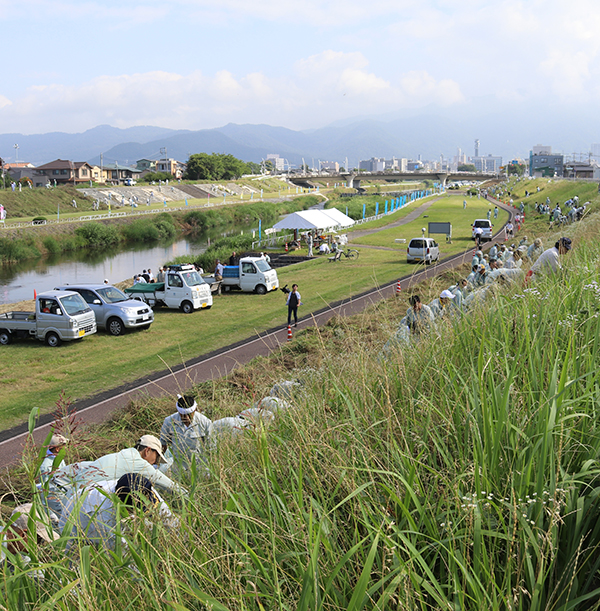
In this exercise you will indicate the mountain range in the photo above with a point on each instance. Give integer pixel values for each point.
(427, 135)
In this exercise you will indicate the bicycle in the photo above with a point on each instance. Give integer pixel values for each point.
(350, 253)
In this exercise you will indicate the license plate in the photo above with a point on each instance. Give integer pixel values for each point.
(273, 287)
(204, 304)
(145, 316)
(81, 332)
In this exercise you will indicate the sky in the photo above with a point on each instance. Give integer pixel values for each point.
(193, 64)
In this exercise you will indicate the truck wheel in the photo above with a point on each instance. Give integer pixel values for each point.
(115, 326)
(52, 340)
(5, 338)
(187, 307)
(261, 289)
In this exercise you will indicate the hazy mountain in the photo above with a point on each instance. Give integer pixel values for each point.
(41, 148)
(509, 133)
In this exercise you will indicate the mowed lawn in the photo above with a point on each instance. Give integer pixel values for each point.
(446, 208)
(34, 375)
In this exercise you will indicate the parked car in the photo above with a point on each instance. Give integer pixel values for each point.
(486, 226)
(129, 182)
(114, 311)
(422, 249)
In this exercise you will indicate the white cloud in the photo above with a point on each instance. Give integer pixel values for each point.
(317, 89)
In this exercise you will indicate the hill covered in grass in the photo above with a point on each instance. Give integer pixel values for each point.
(459, 472)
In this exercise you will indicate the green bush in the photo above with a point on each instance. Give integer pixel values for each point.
(13, 250)
(51, 244)
(98, 235)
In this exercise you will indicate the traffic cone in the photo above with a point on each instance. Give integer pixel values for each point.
(286, 247)
(34, 294)
(398, 288)
(289, 333)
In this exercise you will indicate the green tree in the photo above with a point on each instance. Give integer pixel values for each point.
(216, 166)
(467, 167)
(515, 168)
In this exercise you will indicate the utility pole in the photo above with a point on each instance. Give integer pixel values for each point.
(101, 167)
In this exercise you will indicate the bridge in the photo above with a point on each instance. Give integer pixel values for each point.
(353, 179)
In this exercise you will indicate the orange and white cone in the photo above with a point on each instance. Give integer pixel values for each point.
(286, 247)
(289, 333)
(34, 294)
(398, 288)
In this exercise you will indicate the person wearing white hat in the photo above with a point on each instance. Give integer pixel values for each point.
(186, 432)
(57, 443)
(438, 306)
(140, 459)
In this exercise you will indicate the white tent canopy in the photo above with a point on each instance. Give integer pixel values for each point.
(340, 217)
(313, 219)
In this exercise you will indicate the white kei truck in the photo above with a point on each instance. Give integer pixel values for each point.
(250, 275)
(183, 288)
(59, 316)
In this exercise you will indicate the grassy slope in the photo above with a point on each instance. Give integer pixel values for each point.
(461, 473)
(101, 362)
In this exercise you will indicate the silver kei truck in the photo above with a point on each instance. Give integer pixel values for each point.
(59, 316)
(115, 312)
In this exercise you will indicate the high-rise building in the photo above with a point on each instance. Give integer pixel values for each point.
(489, 164)
(375, 164)
(477, 148)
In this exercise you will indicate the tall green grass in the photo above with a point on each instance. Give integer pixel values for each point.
(460, 473)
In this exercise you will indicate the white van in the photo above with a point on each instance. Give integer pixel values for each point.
(485, 225)
(422, 249)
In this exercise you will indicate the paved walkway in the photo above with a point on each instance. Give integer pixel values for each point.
(409, 218)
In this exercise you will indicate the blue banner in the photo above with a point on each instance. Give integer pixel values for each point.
(364, 209)
(386, 203)
(259, 229)
(377, 208)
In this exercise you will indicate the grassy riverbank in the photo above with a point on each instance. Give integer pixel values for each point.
(460, 473)
(93, 235)
(100, 362)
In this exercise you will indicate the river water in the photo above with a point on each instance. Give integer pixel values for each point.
(18, 281)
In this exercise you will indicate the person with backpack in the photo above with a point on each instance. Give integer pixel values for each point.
(292, 302)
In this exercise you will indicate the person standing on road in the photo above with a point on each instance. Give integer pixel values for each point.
(495, 212)
(292, 302)
(478, 233)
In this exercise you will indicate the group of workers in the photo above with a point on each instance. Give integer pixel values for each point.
(87, 499)
(499, 264)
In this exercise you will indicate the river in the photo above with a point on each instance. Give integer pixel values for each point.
(18, 281)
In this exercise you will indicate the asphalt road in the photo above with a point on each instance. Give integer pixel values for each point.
(222, 361)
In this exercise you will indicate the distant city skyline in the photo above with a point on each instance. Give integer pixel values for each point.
(519, 68)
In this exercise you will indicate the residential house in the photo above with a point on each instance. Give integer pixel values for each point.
(65, 172)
